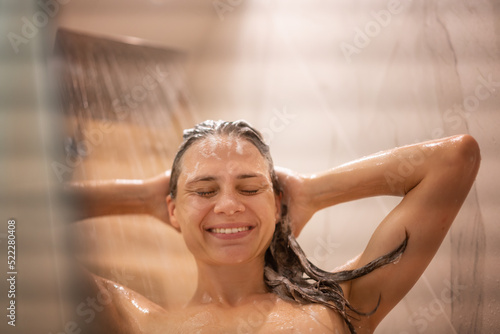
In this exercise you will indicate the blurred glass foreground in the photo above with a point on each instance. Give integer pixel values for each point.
(33, 294)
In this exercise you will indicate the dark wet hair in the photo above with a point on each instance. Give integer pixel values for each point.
(287, 271)
(240, 129)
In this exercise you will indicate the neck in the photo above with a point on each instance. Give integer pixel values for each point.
(229, 284)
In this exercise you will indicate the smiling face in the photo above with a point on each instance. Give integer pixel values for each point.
(225, 205)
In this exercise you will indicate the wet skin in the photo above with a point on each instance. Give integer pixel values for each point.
(261, 313)
(224, 187)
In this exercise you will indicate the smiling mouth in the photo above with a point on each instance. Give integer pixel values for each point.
(229, 230)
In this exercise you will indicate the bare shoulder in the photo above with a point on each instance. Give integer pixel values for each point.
(123, 296)
(121, 310)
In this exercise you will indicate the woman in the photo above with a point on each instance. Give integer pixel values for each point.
(239, 217)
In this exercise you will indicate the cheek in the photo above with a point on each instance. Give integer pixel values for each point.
(191, 211)
(189, 219)
(195, 204)
(268, 220)
(265, 207)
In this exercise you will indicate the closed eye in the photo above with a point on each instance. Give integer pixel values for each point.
(206, 193)
(250, 192)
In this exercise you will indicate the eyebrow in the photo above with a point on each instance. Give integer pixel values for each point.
(248, 176)
(208, 178)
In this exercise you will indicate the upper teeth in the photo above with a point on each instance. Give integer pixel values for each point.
(230, 230)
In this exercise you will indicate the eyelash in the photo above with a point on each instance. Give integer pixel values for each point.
(209, 193)
(250, 192)
(205, 193)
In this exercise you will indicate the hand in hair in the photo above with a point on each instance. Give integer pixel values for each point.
(158, 192)
(298, 202)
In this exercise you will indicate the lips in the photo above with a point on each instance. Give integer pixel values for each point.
(230, 231)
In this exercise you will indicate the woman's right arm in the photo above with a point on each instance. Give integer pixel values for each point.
(118, 197)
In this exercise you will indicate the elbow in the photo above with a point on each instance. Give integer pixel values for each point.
(465, 154)
(468, 150)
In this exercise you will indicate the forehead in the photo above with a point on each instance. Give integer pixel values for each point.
(223, 153)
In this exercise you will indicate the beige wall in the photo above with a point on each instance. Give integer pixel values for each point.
(279, 64)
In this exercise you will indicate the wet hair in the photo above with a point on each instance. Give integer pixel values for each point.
(287, 271)
(239, 129)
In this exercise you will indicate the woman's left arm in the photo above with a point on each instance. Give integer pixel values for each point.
(434, 177)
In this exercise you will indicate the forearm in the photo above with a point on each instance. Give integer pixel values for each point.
(392, 172)
(109, 197)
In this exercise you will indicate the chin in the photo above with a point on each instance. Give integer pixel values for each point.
(235, 257)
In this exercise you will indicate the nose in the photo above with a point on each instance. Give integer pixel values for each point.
(228, 203)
